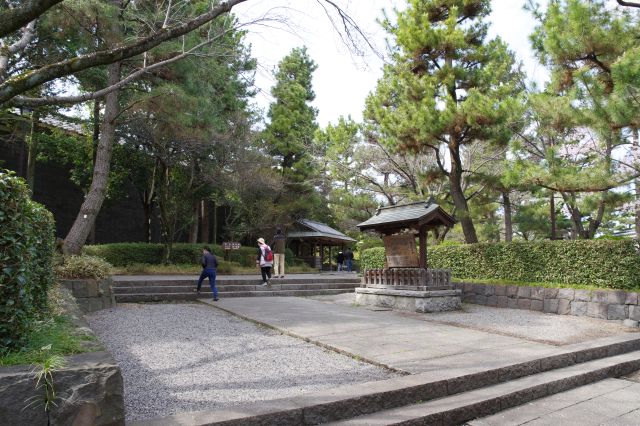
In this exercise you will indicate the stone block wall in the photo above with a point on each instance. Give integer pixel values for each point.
(91, 295)
(603, 304)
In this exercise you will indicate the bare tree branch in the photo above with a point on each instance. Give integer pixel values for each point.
(628, 3)
(6, 52)
(62, 100)
(20, 84)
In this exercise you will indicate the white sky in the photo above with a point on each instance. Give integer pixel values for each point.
(342, 80)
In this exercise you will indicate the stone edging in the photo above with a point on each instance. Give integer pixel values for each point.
(603, 304)
(89, 388)
(91, 295)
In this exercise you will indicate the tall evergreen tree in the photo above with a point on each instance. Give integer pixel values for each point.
(289, 138)
(447, 85)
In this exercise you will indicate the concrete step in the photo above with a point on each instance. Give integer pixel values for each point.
(463, 407)
(478, 390)
(232, 281)
(222, 287)
(206, 292)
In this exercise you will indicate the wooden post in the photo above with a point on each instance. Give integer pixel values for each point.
(423, 246)
(321, 256)
(330, 258)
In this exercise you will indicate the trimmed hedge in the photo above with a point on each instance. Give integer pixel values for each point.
(27, 242)
(603, 263)
(124, 254)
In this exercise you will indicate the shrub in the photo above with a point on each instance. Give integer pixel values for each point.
(27, 242)
(603, 263)
(123, 254)
(372, 258)
(84, 267)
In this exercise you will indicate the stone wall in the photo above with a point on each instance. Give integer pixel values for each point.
(603, 304)
(91, 295)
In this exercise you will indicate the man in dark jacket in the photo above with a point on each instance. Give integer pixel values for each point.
(278, 247)
(209, 266)
(348, 257)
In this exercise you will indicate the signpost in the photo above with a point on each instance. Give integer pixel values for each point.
(401, 251)
(227, 246)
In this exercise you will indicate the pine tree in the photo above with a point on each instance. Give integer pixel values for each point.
(447, 86)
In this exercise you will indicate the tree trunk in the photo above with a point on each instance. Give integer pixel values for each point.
(459, 200)
(214, 210)
(193, 232)
(204, 225)
(508, 227)
(93, 201)
(636, 183)
(148, 209)
(552, 215)
(32, 146)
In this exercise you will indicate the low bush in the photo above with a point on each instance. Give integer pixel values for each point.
(122, 254)
(372, 258)
(602, 263)
(83, 267)
(125, 254)
(27, 240)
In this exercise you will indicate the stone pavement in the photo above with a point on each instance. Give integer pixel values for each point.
(613, 402)
(393, 339)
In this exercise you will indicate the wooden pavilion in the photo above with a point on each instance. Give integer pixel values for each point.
(313, 241)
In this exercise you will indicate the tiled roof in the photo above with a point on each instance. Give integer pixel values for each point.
(412, 212)
(318, 229)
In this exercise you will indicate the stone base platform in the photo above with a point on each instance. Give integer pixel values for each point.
(424, 301)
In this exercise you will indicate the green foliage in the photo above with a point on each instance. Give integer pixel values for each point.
(26, 255)
(83, 267)
(602, 263)
(372, 258)
(122, 254)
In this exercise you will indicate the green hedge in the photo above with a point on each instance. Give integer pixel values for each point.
(123, 254)
(27, 241)
(603, 263)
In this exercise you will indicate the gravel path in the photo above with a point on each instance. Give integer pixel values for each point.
(524, 324)
(188, 357)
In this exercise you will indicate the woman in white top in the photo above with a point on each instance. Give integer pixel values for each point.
(264, 260)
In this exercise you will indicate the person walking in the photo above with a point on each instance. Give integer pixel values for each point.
(209, 266)
(348, 257)
(340, 260)
(278, 245)
(264, 261)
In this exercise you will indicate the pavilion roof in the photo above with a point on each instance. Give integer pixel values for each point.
(310, 229)
(412, 215)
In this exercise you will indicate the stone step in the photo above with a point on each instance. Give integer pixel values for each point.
(243, 281)
(206, 292)
(230, 288)
(591, 361)
(463, 407)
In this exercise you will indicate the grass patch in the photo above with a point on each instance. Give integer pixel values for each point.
(226, 268)
(537, 284)
(54, 336)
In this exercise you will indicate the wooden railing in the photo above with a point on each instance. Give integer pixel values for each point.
(415, 277)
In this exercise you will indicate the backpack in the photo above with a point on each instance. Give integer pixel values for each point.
(268, 254)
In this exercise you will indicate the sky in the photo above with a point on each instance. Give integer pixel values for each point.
(343, 80)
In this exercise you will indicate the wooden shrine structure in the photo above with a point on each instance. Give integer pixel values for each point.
(406, 282)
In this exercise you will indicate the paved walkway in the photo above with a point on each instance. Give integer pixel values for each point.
(611, 402)
(400, 341)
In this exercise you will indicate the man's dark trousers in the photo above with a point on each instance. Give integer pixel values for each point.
(211, 273)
